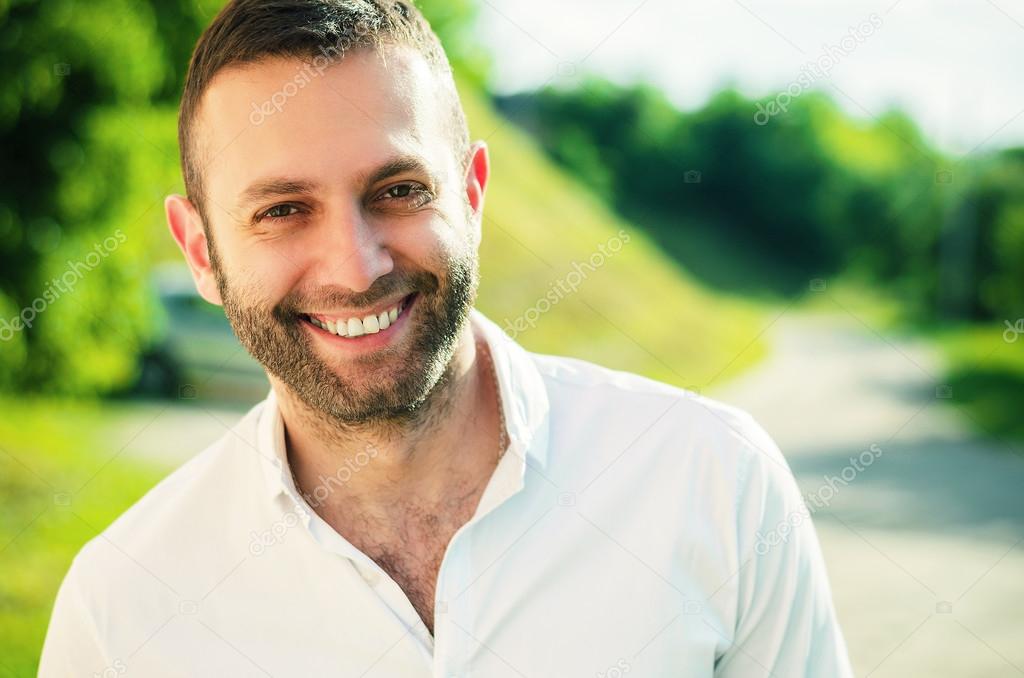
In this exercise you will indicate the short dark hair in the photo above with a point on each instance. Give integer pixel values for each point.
(248, 31)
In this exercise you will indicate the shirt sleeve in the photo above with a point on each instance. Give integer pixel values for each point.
(72, 646)
(786, 622)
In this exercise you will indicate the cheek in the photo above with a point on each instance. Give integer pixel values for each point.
(264, 273)
(453, 228)
(422, 241)
(444, 244)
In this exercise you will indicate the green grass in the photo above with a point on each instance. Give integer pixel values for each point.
(58, 488)
(986, 373)
(715, 257)
(872, 304)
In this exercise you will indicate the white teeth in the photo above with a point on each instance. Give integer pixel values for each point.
(356, 327)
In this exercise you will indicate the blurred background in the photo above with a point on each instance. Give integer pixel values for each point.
(812, 211)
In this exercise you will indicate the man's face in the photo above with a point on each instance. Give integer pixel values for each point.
(342, 205)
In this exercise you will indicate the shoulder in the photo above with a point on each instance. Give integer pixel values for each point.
(605, 396)
(159, 557)
(181, 528)
(622, 431)
(212, 478)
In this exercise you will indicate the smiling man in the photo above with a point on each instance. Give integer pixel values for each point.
(418, 495)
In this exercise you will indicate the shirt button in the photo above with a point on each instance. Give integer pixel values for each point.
(371, 577)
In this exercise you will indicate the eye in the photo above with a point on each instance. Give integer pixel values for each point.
(278, 212)
(406, 194)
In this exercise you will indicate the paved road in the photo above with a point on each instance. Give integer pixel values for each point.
(171, 432)
(924, 543)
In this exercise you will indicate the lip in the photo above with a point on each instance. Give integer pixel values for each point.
(368, 342)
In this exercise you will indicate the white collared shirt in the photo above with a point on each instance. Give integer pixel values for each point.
(631, 528)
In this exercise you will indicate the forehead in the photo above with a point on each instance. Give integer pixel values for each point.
(282, 117)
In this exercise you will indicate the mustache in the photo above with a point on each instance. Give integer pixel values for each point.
(383, 288)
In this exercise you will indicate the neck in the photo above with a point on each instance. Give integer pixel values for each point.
(449, 442)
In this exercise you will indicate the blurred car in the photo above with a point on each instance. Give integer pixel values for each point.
(196, 354)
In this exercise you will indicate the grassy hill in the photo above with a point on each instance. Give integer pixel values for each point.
(637, 311)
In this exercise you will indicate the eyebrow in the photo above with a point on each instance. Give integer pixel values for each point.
(269, 188)
(395, 166)
(276, 186)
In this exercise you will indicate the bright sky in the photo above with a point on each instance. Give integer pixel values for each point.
(957, 66)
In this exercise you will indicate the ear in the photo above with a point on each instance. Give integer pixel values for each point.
(477, 172)
(187, 228)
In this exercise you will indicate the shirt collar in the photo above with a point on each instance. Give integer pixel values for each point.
(524, 400)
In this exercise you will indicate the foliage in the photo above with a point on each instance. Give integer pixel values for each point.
(90, 151)
(811, 190)
(985, 370)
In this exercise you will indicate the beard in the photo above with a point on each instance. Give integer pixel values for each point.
(388, 386)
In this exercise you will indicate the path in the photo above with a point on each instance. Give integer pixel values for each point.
(924, 543)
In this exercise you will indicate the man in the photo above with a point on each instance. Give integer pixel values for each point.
(418, 495)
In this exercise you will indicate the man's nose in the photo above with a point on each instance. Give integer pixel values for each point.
(353, 250)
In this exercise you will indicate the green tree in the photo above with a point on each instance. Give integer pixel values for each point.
(87, 147)
(88, 99)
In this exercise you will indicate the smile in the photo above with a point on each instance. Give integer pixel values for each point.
(357, 326)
